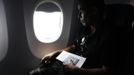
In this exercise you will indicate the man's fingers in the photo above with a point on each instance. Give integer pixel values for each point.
(46, 59)
(72, 62)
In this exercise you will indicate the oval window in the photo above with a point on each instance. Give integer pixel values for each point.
(48, 22)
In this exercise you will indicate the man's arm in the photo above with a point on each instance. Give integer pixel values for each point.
(54, 54)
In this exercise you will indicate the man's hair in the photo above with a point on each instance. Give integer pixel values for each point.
(93, 6)
(92, 2)
(86, 4)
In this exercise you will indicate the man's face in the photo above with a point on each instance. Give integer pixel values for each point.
(81, 15)
(87, 17)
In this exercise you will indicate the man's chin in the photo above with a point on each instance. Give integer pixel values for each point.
(84, 24)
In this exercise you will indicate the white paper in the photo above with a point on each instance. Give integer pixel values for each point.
(67, 58)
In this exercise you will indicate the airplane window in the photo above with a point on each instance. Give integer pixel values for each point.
(48, 25)
(3, 32)
(48, 22)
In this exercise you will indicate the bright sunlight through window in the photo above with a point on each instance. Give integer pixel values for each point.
(47, 26)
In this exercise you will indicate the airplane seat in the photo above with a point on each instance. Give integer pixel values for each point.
(130, 57)
(118, 30)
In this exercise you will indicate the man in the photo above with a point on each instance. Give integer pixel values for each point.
(91, 16)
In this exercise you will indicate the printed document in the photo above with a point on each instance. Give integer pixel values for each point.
(67, 58)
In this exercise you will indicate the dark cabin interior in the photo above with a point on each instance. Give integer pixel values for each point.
(19, 60)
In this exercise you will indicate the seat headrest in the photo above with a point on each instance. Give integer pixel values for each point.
(120, 15)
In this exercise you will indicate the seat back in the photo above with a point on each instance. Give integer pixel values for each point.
(120, 37)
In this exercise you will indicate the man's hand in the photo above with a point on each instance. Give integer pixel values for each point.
(50, 57)
(71, 66)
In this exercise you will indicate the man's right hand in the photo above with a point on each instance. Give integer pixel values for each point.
(50, 57)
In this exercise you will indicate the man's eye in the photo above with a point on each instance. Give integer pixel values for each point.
(79, 15)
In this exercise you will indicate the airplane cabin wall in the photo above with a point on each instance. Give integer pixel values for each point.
(19, 59)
